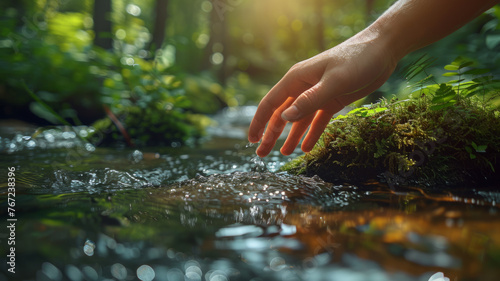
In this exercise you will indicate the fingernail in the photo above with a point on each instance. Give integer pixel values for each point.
(291, 114)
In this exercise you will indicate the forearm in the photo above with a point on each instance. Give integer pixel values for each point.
(412, 24)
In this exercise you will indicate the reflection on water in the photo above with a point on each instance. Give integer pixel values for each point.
(218, 213)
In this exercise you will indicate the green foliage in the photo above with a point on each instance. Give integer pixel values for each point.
(49, 63)
(446, 133)
(151, 104)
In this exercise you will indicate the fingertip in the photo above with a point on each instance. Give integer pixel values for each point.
(262, 152)
(307, 148)
(286, 151)
(255, 137)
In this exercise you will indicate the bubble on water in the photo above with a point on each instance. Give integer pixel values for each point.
(89, 147)
(259, 165)
(12, 147)
(119, 271)
(193, 272)
(68, 135)
(31, 144)
(277, 264)
(250, 144)
(48, 136)
(137, 156)
(83, 133)
(89, 247)
(145, 273)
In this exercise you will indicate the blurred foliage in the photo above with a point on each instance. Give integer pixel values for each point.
(216, 54)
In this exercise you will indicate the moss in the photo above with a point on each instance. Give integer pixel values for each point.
(408, 141)
(153, 126)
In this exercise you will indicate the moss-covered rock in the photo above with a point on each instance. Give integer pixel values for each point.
(151, 126)
(409, 141)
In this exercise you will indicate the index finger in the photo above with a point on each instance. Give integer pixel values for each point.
(286, 88)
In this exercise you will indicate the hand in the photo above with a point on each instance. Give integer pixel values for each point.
(312, 91)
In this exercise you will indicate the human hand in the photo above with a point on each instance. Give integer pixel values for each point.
(312, 91)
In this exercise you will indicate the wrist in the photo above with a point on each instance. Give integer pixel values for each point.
(392, 37)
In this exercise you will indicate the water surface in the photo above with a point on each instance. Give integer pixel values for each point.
(216, 212)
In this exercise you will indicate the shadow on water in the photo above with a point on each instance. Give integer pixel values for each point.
(218, 213)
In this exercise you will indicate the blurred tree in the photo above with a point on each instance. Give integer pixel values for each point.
(217, 48)
(160, 24)
(320, 25)
(102, 24)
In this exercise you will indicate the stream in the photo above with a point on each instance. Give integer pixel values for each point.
(216, 212)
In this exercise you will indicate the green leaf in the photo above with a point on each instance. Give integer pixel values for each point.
(483, 79)
(473, 93)
(451, 67)
(481, 148)
(492, 41)
(441, 106)
(445, 90)
(455, 81)
(416, 67)
(442, 99)
(478, 71)
(450, 74)
(465, 64)
(474, 145)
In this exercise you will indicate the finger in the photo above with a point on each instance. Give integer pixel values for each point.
(319, 124)
(324, 116)
(298, 130)
(288, 86)
(273, 130)
(316, 97)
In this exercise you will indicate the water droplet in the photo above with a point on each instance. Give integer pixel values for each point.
(145, 273)
(88, 248)
(137, 156)
(31, 144)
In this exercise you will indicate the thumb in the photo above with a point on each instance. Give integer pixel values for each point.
(306, 103)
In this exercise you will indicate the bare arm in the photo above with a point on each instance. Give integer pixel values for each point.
(315, 89)
(413, 24)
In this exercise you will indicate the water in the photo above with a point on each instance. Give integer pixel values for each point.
(217, 212)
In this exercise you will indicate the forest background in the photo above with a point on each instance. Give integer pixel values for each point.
(161, 66)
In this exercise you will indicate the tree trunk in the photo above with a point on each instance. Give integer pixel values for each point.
(320, 26)
(160, 24)
(218, 37)
(102, 24)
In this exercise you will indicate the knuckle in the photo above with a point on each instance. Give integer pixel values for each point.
(296, 68)
(308, 100)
